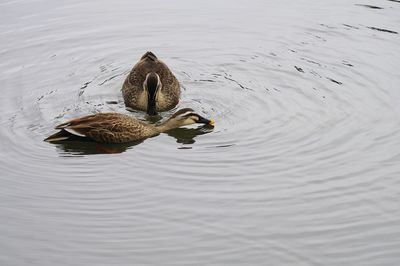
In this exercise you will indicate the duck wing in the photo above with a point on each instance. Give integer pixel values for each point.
(103, 127)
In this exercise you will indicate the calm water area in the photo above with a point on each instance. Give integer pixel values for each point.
(301, 168)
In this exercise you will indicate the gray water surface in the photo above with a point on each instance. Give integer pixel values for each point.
(302, 167)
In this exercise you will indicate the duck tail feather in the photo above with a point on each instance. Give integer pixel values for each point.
(59, 136)
(149, 55)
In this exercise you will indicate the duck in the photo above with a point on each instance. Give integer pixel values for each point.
(121, 128)
(151, 86)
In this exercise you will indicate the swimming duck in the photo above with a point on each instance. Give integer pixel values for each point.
(151, 86)
(120, 128)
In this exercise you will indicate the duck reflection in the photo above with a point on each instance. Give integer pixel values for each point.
(85, 147)
(187, 135)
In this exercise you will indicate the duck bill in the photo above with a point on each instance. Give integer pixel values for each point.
(206, 121)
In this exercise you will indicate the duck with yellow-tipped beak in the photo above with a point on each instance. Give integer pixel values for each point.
(120, 128)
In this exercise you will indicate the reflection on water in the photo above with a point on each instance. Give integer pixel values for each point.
(302, 167)
(187, 135)
(67, 148)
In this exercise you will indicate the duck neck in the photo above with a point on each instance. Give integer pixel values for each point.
(167, 125)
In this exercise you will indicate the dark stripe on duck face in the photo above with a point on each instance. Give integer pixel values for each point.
(203, 120)
(198, 118)
(152, 84)
(187, 113)
(182, 111)
(151, 107)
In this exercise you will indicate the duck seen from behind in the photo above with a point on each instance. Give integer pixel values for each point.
(151, 86)
(120, 128)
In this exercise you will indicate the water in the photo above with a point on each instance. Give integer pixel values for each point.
(302, 167)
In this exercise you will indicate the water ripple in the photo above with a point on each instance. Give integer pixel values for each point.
(300, 169)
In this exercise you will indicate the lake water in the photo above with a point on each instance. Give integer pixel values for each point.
(302, 167)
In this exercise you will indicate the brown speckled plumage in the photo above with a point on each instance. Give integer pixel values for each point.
(132, 90)
(110, 128)
(119, 128)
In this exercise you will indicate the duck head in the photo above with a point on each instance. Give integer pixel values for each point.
(187, 116)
